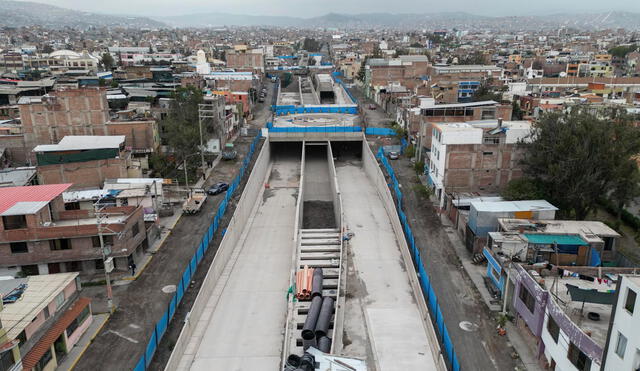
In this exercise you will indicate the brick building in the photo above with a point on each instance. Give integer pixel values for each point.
(85, 161)
(47, 119)
(38, 235)
(481, 156)
(246, 60)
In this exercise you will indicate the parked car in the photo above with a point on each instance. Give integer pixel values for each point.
(372, 107)
(393, 155)
(217, 188)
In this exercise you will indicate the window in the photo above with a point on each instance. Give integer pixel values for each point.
(578, 358)
(487, 153)
(526, 297)
(6, 361)
(78, 321)
(14, 222)
(60, 299)
(46, 313)
(74, 266)
(495, 274)
(488, 114)
(61, 244)
(46, 358)
(553, 329)
(99, 263)
(608, 243)
(621, 345)
(72, 206)
(630, 303)
(135, 229)
(108, 240)
(491, 140)
(19, 247)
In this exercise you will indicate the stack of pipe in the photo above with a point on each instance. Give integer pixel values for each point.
(304, 283)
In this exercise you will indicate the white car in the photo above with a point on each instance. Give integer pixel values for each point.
(393, 155)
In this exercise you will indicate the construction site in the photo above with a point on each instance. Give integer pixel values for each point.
(314, 270)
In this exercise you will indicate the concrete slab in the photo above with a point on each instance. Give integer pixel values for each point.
(395, 330)
(245, 329)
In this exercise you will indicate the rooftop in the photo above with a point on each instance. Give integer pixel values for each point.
(16, 177)
(13, 198)
(512, 206)
(40, 291)
(83, 142)
(588, 229)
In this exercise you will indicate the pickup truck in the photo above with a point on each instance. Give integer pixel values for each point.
(194, 203)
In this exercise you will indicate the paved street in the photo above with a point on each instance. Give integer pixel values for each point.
(374, 118)
(482, 348)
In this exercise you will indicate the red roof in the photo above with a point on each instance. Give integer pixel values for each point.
(40, 348)
(9, 196)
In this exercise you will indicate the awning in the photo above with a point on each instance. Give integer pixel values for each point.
(558, 239)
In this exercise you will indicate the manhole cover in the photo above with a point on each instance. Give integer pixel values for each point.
(169, 289)
(468, 326)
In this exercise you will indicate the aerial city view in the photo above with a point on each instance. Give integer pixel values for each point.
(334, 185)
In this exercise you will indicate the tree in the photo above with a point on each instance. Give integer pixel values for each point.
(107, 61)
(484, 93)
(181, 126)
(516, 112)
(311, 45)
(47, 49)
(524, 189)
(581, 156)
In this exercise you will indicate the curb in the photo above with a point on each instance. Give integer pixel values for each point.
(73, 365)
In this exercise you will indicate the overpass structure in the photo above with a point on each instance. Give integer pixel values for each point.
(315, 205)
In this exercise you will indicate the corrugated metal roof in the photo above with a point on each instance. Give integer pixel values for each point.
(513, 206)
(25, 208)
(550, 239)
(83, 142)
(9, 196)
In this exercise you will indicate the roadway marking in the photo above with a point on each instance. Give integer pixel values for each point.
(124, 337)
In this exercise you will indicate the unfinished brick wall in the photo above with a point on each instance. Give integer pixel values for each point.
(66, 112)
(83, 175)
(481, 167)
(139, 135)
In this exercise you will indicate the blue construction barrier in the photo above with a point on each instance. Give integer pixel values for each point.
(292, 110)
(380, 131)
(425, 283)
(161, 326)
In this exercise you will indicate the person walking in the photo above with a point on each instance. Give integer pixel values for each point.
(133, 269)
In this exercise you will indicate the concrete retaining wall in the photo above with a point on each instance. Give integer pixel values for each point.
(374, 173)
(251, 195)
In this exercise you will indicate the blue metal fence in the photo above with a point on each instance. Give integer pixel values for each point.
(425, 282)
(161, 326)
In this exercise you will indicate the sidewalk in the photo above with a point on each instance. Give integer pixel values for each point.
(70, 360)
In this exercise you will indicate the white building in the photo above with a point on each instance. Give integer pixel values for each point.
(622, 351)
(488, 133)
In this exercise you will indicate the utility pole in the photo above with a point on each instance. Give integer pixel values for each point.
(105, 251)
(206, 111)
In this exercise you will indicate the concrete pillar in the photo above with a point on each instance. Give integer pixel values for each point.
(43, 268)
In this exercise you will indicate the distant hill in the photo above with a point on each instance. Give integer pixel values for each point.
(19, 13)
(22, 13)
(446, 20)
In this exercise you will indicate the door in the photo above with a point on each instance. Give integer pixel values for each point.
(54, 268)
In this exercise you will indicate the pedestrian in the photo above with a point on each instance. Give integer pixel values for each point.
(133, 269)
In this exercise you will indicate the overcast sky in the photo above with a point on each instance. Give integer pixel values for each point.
(311, 8)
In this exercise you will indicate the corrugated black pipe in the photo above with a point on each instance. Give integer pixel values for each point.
(308, 330)
(324, 319)
(316, 285)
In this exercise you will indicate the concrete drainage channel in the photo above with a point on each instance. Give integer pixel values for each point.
(314, 315)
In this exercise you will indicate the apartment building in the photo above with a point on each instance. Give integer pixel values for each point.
(85, 161)
(480, 156)
(39, 235)
(622, 350)
(46, 316)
